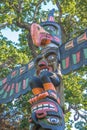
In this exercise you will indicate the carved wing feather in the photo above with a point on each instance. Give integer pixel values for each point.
(16, 83)
(73, 54)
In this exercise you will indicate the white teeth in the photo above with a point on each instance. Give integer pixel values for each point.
(34, 107)
(52, 109)
(51, 106)
(45, 105)
(33, 110)
(39, 105)
(43, 70)
(39, 109)
(45, 108)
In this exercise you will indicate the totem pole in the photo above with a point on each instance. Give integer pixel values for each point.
(47, 107)
(43, 77)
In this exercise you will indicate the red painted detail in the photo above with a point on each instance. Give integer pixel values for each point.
(38, 97)
(16, 87)
(46, 109)
(14, 73)
(30, 119)
(12, 86)
(5, 86)
(51, 18)
(8, 88)
(56, 39)
(4, 80)
(42, 63)
(22, 70)
(41, 114)
(82, 38)
(67, 62)
(24, 84)
(69, 45)
(30, 65)
(85, 37)
(78, 57)
(58, 100)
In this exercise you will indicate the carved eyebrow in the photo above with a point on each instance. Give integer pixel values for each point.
(38, 58)
(50, 53)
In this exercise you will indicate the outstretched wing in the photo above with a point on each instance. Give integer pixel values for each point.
(16, 83)
(73, 54)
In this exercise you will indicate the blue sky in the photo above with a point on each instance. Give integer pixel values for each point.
(13, 36)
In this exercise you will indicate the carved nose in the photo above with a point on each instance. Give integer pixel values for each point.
(42, 63)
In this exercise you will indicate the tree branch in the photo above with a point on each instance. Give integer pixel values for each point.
(23, 25)
(59, 21)
(3, 25)
(77, 114)
(36, 9)
(60, 10)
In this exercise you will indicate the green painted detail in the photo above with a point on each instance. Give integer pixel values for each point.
(74, 58)
(85, 53)
(27, 82)
(5, 95)
(19, 86)
(63, 64)
(11, 92)
(0, 83)
(14, 74)
(1, 91)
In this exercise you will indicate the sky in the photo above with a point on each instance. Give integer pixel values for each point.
(13, 36)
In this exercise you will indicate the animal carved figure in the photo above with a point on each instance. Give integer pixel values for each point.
(43, 75)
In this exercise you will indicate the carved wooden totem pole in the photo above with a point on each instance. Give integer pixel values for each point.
(42, 75)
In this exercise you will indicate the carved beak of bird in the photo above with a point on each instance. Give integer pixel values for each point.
(40, 37)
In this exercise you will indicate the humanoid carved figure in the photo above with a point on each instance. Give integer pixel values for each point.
(46, 87)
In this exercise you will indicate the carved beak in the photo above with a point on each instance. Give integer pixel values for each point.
(40, 37)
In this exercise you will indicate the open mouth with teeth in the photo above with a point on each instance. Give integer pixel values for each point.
(44, 68)
(44, 106)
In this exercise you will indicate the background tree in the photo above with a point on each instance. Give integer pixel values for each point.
(18, 15)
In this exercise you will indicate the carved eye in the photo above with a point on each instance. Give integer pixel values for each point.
(53, 120)
(51, 57)
(51, 29)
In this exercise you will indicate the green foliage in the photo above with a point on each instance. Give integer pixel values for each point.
(24, 124)
(18, 15)
(75, 95)
(81, 125)
(10, 56)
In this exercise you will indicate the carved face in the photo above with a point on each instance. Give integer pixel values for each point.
(47, 60)
(46, 33)
(39, 35)
(47, 115)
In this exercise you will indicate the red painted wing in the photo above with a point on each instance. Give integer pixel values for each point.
(16, 83)
(73, 54)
